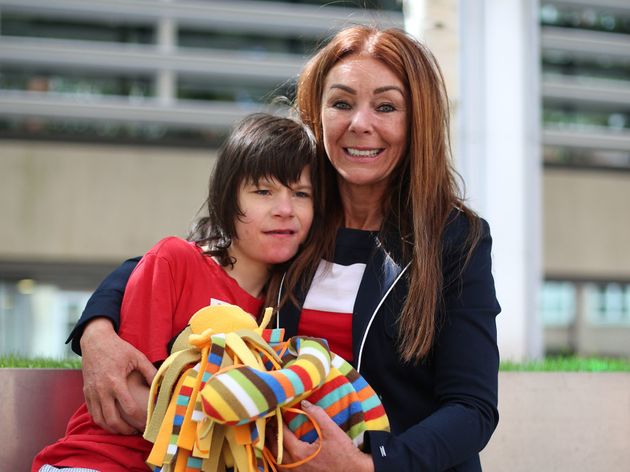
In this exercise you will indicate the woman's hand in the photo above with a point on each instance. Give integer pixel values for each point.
(107, 362)
(338, 453)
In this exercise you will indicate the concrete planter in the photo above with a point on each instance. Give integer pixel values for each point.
(35, 405)
(550, 422)
(561, 421)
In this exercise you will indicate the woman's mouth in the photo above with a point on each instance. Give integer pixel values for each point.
(354, 152)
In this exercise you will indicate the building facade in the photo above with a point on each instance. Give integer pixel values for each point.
(111, 112)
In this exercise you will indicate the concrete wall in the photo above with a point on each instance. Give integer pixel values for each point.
(95, 203)
(559, 422)
(586, 223)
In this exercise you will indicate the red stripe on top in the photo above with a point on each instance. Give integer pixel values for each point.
(326, 388)
(186, 391)
(374, 413)
(207, 408)
(336, 328)
(303, 375)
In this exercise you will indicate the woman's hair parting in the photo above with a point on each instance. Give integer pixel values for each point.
(261, 146)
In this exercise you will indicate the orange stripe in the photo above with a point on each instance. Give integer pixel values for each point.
(286, 384)
(365, 393)
(341, 404)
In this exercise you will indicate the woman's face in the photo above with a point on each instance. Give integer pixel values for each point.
(364, 120)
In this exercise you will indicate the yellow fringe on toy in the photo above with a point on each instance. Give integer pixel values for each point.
(227, 377)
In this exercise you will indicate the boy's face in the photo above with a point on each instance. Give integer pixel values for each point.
(276, 220)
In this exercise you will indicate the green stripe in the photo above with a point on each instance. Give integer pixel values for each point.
(250, 388)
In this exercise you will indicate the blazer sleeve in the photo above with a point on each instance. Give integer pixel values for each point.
(465, 360)
(104, 302)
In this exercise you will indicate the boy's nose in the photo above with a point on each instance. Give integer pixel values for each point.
(283, 205)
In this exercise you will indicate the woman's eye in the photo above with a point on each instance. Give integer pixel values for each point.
(302, 194)
(262, 191)
(341, 105)
(386, 107)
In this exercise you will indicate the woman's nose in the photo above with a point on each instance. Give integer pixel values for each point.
(361, 121)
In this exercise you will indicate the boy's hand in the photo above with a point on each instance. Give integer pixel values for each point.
(107, 362)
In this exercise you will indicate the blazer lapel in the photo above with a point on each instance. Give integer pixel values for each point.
(380, 272)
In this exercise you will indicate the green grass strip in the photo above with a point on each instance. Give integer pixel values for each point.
(549, 364)
(569, 364)
(12, 361)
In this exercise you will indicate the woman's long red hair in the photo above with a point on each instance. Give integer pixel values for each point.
(423, 190)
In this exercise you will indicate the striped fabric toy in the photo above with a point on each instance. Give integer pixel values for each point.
(227, 378)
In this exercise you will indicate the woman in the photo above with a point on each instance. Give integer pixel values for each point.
(407, 292)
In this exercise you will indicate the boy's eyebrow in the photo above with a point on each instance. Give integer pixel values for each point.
(297, 185)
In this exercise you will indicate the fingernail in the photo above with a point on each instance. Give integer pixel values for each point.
(306, 404)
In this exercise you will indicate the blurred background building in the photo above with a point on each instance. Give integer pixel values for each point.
(111, 112)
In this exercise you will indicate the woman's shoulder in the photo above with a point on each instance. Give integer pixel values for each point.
(459, 225)
(465, 233)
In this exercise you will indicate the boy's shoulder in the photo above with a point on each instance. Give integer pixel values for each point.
(174, 246)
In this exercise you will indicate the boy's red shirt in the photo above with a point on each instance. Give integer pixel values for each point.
(172, 281)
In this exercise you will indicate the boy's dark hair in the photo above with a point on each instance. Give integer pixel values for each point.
(261, 146)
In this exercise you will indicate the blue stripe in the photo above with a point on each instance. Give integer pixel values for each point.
(335, 395)
(344, 415)
(214, 359)
(273, 384)
(359, 384)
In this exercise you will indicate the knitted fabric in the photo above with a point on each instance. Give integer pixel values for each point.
(226, 378)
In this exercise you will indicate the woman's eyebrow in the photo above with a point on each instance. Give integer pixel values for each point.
(383, 89)
(345, 88)
(387, 88)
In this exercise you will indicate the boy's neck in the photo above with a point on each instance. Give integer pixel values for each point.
(250, 277)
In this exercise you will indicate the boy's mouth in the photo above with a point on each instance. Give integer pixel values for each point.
(287, 232)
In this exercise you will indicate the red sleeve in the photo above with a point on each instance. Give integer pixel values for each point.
(150, 301)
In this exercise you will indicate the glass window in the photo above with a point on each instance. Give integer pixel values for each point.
(593, 158)
(392, 5)
(37, 27)
(557, 303)
(35, 319)
(609, 303)
(593, 18)
(198, 38)
(80, 84)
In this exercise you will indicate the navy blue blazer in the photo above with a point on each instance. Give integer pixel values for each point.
(442, 411)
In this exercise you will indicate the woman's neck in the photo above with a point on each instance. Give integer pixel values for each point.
(362, 206)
